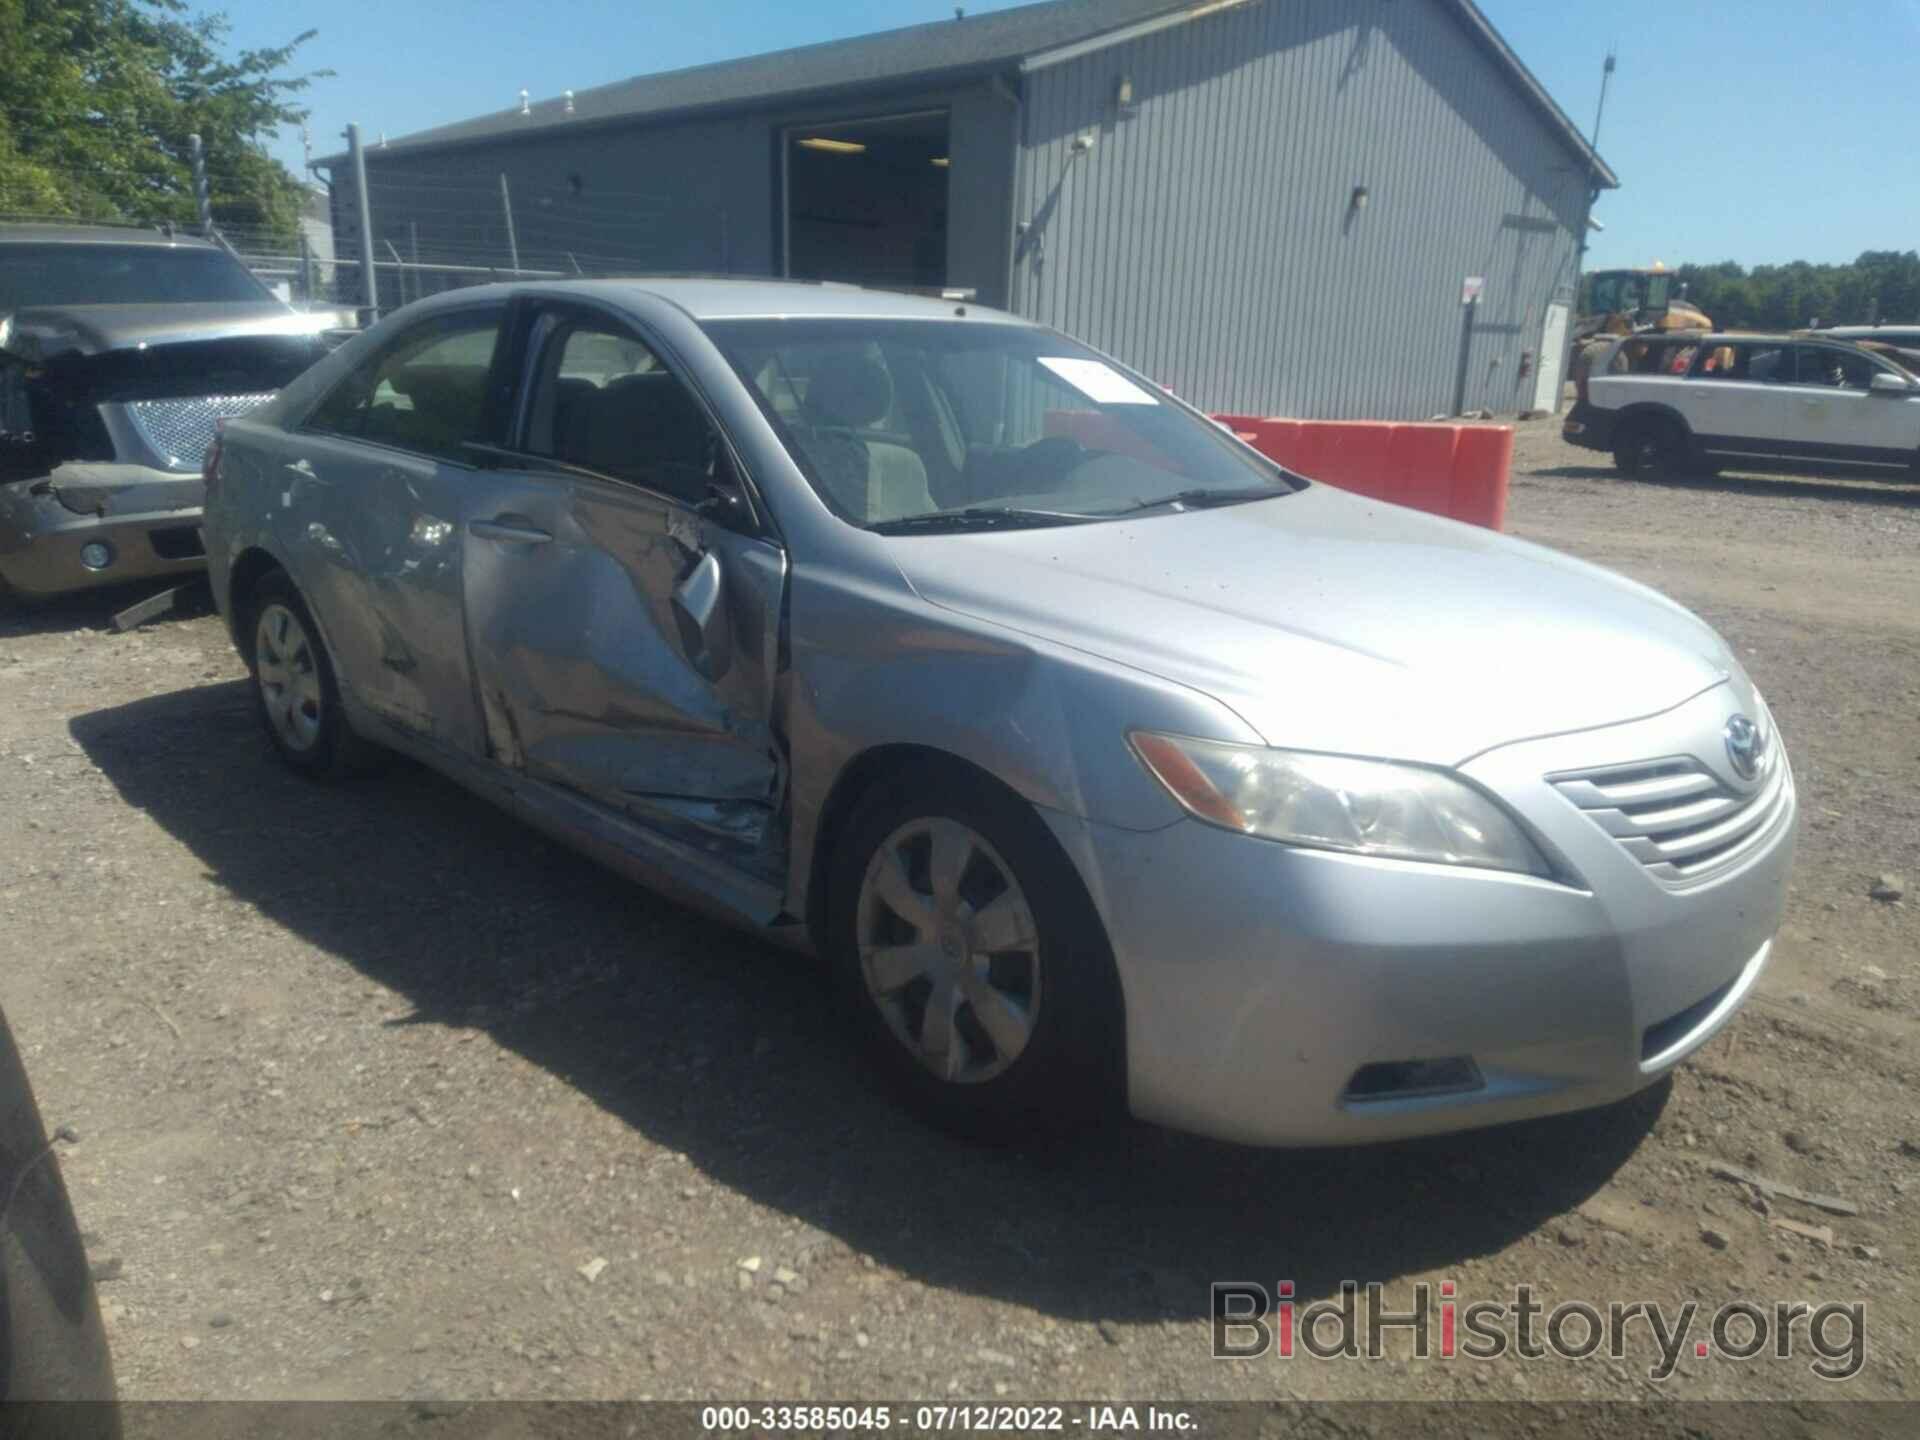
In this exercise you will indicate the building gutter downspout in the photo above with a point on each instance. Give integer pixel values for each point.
(998, 85)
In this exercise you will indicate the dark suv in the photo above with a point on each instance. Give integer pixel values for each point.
(120, 352)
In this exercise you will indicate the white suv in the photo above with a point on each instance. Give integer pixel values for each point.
(1664, 404)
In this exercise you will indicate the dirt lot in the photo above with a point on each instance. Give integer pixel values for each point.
(364, 1077)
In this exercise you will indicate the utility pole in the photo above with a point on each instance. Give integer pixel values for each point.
(202, 198)
(506, 207)
(1606, 74)
(369, 283)
(413, 249)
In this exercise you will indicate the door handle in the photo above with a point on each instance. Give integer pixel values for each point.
(510, 529)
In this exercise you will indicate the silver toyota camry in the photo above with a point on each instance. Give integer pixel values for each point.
(1102, 760)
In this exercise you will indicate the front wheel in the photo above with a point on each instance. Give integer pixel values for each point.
(294, 688)
(975, 966)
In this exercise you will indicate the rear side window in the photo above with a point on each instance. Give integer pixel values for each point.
(1652, 357)
(1767, 364)
(426, 392)
(603, 401)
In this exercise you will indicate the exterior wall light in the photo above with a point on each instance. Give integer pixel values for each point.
(1359, 200)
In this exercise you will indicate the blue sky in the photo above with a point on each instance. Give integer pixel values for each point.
(1750, 130)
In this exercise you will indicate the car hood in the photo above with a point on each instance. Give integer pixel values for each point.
(1331, 622)
(43, 333)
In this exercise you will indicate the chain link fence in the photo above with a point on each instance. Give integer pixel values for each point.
(436, 230)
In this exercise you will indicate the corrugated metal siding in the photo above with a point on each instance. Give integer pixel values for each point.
(687, 195)
(1207, 237)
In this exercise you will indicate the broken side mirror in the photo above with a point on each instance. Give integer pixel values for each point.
(725, 505)
(700, 613)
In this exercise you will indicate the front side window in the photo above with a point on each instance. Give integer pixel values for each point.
(426, 392)
(1832, 369)
(925, 423)
(35, 273)
(603, 401)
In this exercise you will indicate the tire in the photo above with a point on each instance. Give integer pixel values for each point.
(1651, 448)
(1030, 1043)
(294, 690)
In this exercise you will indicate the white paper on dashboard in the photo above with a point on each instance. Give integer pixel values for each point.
(1099, 382)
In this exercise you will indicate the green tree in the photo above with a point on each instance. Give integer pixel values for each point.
(1878, 285)
(98, 97)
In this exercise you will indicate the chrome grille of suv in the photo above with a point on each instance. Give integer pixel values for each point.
(1678, 818)
(182, 430)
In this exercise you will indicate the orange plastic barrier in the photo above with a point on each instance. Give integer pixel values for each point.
(1483, 459)
(1459, 471)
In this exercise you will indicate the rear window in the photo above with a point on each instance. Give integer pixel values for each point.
(91, 274)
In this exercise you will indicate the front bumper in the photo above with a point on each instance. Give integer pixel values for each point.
(1261, 978)
(150, 526)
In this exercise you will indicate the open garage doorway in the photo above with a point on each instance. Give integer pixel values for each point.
(866, 201)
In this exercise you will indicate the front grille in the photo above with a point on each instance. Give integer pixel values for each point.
(1677, 817)
(181, 430)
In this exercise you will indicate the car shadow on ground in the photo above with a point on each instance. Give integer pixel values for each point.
(95, 609)
(727, 1049)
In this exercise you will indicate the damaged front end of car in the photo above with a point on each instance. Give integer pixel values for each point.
(102, 433)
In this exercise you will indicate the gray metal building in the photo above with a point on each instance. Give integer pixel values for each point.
(1272, 206)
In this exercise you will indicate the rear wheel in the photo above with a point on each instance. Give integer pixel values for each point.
(294, 688)
(1651, 448)
(972, 961)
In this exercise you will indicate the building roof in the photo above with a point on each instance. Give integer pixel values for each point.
(937, 50)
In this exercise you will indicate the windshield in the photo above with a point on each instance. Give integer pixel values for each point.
(928, 424)
(93, 274)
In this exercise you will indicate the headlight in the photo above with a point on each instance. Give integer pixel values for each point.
(1334, 802)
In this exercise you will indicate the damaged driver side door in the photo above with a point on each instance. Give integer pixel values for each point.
(622, 606)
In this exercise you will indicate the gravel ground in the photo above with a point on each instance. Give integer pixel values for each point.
(383, 1095)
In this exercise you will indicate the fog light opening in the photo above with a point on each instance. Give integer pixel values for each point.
(1399, 1079)
(96, 555)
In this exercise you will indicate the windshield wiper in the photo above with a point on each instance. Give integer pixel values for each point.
(978, 517)
(1202, 499)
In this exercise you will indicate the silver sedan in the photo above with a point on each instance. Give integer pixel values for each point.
(1102, 759)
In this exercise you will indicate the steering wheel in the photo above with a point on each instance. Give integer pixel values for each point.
(1070, 453)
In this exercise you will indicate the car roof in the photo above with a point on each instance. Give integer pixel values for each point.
(1868, 332)
(1740, 337)
(64, 233)
(722, 298)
